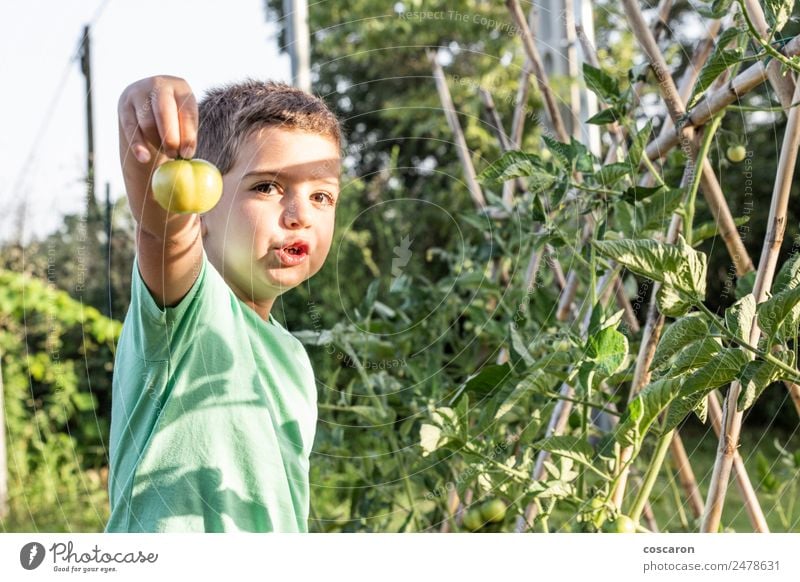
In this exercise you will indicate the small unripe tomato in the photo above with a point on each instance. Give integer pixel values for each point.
(187, 186)
(493, 511)
(736, 153)
(473, 520)
(623, 524)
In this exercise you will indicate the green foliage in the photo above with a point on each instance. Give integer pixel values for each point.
(56, 364)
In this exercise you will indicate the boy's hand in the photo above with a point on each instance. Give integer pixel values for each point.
(158, 115)
(158, 121)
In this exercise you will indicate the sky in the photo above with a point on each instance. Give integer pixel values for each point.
(43, 101)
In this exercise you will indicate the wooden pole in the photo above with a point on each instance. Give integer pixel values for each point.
(461, 143)
(92, 209)
(731, 416)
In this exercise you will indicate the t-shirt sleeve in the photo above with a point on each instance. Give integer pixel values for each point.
(158, 330)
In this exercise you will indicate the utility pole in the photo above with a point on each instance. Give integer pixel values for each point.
(556, 39)
(92, 209)
(297, 41)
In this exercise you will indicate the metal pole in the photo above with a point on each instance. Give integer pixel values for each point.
(297, 41)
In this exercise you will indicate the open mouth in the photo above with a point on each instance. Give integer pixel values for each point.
(292, 254)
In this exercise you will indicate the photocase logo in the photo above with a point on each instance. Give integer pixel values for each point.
(31, 555)
(402, 254)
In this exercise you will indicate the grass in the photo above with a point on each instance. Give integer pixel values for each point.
(777, 503)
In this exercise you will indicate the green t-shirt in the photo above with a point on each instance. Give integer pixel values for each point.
(213, 416)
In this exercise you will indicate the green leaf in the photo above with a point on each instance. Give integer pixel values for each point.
(780, 314)
(639, 144)
(789, 275)
(710, 229)
(536, 382)
(570, 447)
(677, 336)
(610, 174)
(518, 345)
(644, 409)
(430, 438)
(636, 194)
(573, 156)
(561, 151)
(670, 303)
(721, 370)
(717, 9)
(778, 13)
(606, 116)
(696, 354)
(678, 266)
(652, 212)
(757, 375)
(701, 409)
(486, 382)
(717, 63)
(84, 402)
(517, 164)
(692, 276)
(607, 349)
(739, 317)
(654, 260)
(601, 83)
(745, 284)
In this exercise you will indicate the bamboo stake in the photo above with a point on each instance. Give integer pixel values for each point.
(782, 85)
(653, 332)
(686, 475)
(461, 143)
(635, 18)
(675, 107)
(521, 107)
(538, 70)
(716, 101)
(731, 416)
(745, 486)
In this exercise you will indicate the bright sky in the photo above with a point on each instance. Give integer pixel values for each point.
(43, 138)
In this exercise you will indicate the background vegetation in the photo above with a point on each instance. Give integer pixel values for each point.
(405, 320)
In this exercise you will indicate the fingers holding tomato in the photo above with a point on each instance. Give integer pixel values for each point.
(159, 114)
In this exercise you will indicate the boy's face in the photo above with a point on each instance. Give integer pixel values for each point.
(273, 227)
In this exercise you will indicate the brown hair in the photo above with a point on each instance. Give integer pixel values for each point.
(229, 113)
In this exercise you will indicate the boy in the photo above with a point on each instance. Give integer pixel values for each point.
(214, 402)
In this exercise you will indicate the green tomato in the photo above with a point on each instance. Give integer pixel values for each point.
(736, 153)
(598, 511)
(623, 524)
(493, 511)
(562, 345)
(187, 186)
(473, 520)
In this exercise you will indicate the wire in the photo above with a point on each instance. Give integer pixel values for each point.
(30, 159)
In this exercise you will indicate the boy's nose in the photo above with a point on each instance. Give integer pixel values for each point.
(296, 214)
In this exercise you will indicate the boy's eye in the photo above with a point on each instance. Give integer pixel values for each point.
(324, 198)
(266, 188)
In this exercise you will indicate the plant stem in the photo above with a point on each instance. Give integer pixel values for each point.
(764, 44)
(652, 474)
(795, 375)
(676, 494)
(557, 396)
(708, 136)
